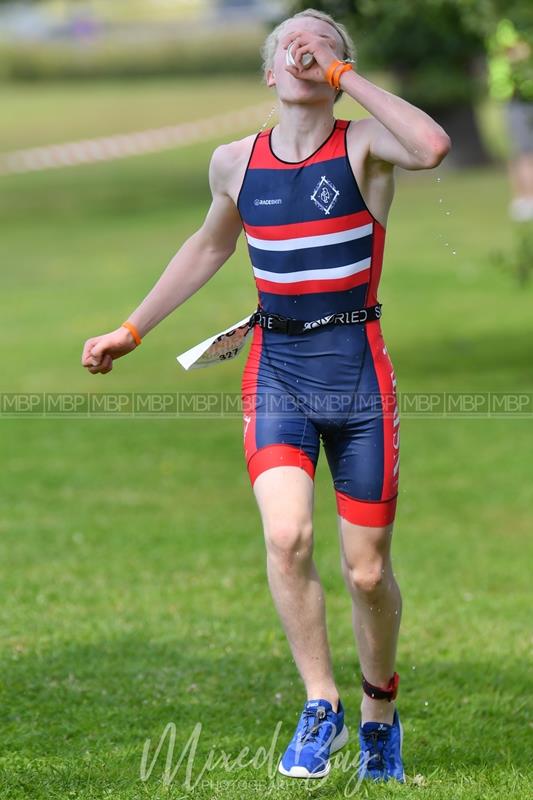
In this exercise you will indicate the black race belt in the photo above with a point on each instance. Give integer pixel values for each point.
(295, 327)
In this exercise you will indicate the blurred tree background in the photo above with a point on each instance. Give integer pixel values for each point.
(58, 40)
(437, 51)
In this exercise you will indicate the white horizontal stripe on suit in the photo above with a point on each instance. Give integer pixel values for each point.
(302, 242)
(313, 274)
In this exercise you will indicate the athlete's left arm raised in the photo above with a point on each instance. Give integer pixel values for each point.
(397, 132)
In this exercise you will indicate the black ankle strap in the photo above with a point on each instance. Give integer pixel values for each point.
(378, 692)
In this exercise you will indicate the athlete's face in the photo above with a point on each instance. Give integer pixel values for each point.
(292, 89)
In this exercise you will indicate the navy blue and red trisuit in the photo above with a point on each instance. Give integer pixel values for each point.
(315, 249)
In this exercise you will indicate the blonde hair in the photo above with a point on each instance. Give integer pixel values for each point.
(271, 42)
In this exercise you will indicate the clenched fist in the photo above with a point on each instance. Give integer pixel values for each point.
(100, 351)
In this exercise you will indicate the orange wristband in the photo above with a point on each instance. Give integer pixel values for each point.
(133, 330)
(334, 72)
(337, 74)
(331, 69)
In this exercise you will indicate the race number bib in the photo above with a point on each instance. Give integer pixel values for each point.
(218, 348)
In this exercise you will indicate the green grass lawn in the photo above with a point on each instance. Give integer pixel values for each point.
(38, 115)
(132, 562)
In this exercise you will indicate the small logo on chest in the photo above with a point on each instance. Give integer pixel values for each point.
(268, 201)
(325, 195)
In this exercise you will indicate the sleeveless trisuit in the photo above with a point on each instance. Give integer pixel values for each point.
(315, 249)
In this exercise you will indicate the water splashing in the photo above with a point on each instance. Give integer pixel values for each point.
(447, 213)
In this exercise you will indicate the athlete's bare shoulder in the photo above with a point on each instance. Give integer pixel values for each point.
(375, 178)
(228, 165)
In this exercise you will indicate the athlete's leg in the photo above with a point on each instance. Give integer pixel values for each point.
(281, 447)
(363, 455)
(285, 499)
(376, 607)
(521, 173)
(520, 128)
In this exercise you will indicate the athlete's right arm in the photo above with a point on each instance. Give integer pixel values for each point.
(197, 260)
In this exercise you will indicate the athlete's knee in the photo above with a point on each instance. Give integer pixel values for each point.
(368, 578)
(290, 543)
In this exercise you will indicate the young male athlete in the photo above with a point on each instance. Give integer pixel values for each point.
(313, 194)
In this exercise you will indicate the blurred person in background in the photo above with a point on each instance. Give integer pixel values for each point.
(313, 195)
(511, 81)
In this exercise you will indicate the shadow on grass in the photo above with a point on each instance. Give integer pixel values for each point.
(111, 696)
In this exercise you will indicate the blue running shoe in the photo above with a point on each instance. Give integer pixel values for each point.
(381, 750)
(320, 732)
